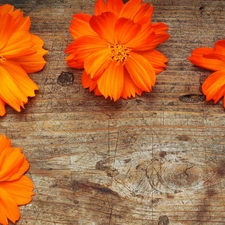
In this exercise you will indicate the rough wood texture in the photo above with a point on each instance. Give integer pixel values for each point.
(155, 160)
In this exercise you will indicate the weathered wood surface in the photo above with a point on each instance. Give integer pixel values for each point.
(157, 159)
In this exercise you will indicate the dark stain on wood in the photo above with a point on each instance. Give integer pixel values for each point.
(65, 79)
(86, 186)
(183, 137)
(170, 196)
(162, 154)
(163, 220)
(221, 169)
(211, 192)
(192, 98)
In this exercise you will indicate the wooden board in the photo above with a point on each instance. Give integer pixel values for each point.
(157, 159)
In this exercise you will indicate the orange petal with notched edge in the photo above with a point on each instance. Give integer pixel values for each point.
(110, 83)
(21, 22)
(156, 59)
(13, 164)
(6, 29)
(19, 44)
(2, 108)
(33, 62)
(87, 82)
(21, 190)
(110, 6)
(130, 9)
(125, 30)
(82, 48)
(207, 63)
(220, 47)
(141, 71)
(145, 11)
(80, 26)
(100, 24)
(8, 207)
(97, 63)
(16, 85)
(4, 143)
(214, 86)
(129, 87)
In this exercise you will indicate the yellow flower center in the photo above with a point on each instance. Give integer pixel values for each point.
(119, 53)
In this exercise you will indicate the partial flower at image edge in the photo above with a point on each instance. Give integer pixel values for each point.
(15, 188)
(212, 59)
(20, 53)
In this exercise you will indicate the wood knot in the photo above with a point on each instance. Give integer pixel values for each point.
(65, 79)
(110, 171)
(192, 98)
(177, 176)
(163, 220)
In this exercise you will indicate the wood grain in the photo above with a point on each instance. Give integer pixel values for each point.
(157, 159)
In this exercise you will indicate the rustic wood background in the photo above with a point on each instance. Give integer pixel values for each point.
(157, 159)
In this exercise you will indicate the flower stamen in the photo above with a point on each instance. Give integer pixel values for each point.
(119, 53)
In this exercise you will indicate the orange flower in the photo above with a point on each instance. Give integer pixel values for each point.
(15, 188)
(212, 59)
(116, 48)
(20, 53)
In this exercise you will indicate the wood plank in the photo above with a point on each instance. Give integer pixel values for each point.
(156, 159)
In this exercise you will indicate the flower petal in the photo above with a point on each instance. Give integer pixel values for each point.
(129, 87)
(2, 107)
(100, 7)
(111, 82)
(87, 82)
(214, 86)
(10, 92)
(8, 207)
(97, 63)
(113, 6)
(145, 11)
(104, 25)
(21, 22)
(6, 29)
(220, 47)
(6, 9)
(130, 9)
(16, 85)
(33, 62)
(4, 143)
(19, 44)
(82, 48)
(141, 71)
(125, 30)
(156, 59)
(199, 58)
(20, 190)
(3, 217)
(13, 164)
(80, 26)
(147, 39)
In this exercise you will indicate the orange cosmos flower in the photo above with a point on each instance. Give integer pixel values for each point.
(116, 48)
(212, 59)
(15, 188)
(20, 53)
